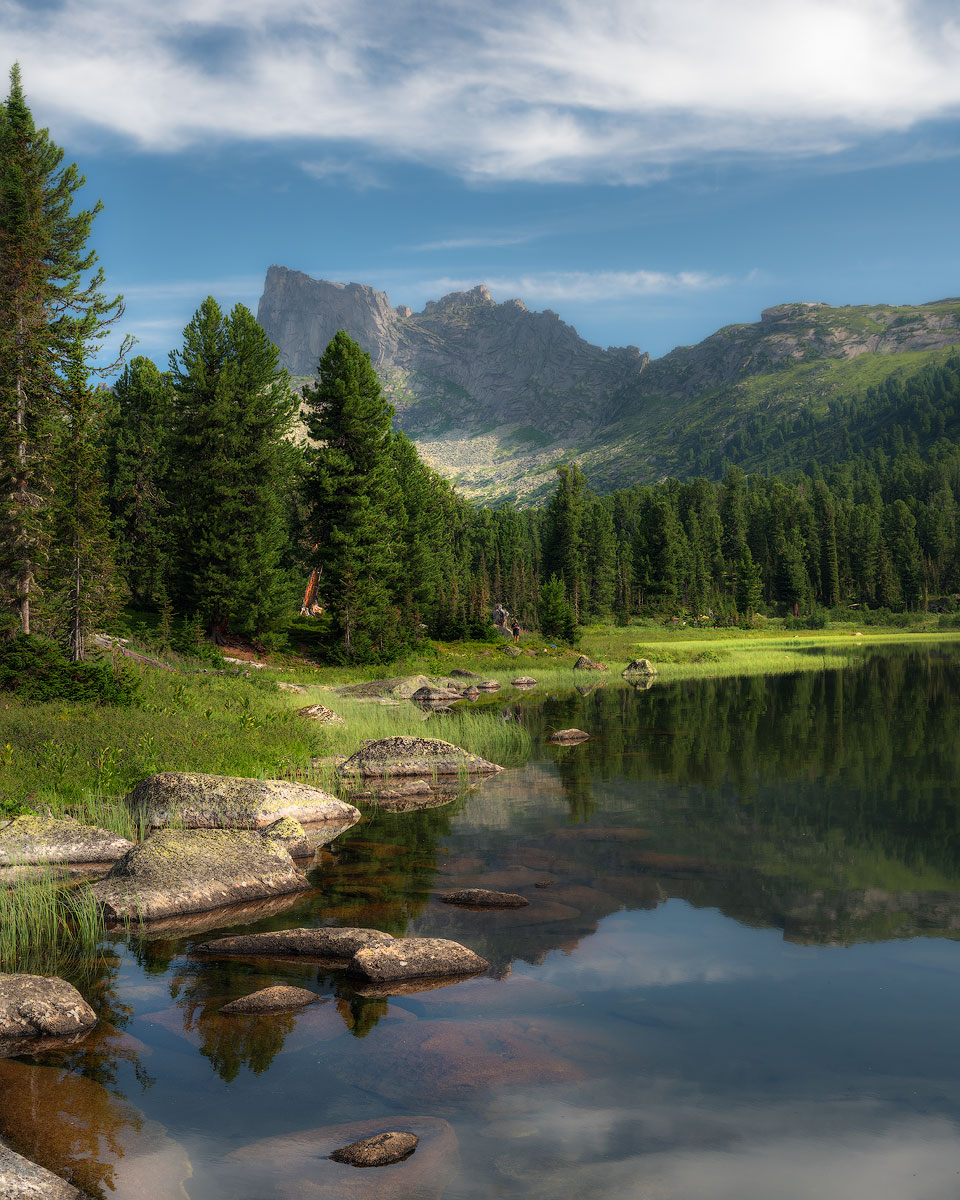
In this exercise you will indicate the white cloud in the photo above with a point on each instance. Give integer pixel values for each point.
(585, 287)
(554, 89)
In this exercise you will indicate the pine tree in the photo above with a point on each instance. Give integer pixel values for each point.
(50, 296)
(557, 618)
(354, 497)
(563, 533)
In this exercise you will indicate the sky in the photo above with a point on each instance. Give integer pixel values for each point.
(651, 170)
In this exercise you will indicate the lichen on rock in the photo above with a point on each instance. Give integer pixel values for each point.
(32, 838)
(415, 756)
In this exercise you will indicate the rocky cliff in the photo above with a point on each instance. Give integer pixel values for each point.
(494, 394)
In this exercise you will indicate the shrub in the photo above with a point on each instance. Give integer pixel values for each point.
(35, 669)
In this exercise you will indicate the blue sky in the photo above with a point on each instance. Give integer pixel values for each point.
(649, 169)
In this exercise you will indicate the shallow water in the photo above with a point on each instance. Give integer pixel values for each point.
(738, 977)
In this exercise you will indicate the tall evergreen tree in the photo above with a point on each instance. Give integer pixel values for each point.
(354, 498)
(563, 533)
(50, 295)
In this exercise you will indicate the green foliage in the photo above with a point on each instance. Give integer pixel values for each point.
(557, 618)
(45, 925)
(35, 669)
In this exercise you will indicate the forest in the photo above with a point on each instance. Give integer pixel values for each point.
(183, 491)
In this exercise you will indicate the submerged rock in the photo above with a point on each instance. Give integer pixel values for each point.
(320, 712)
(192, 870)
(639, 666)
(415, 756)
(415, 958)
(482, 898)
(225, 802)
(272, 1000)
(567, 737)
(325, 942)
(377, 1151)
(33, 1007)
(35, 839)
(21, 1179)
(587, 664)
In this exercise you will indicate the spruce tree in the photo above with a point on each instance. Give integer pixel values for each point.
(50, 296)
(354, 499)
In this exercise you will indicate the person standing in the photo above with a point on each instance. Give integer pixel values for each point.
(515, 630)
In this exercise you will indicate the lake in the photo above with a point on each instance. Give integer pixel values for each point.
(738, 976)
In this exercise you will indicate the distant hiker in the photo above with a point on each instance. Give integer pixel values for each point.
(515, 630)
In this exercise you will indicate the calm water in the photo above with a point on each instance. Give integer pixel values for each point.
(741, 980)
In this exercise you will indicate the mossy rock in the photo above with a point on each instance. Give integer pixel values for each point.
(394, 756)
(32, 838)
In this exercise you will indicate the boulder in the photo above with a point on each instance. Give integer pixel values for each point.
(291, 836)
(482, 898)
(320, 712)
(587, 664)
(377, 1151)
(462, 673)
(639, 666)
(224, 802)
(34, 1007)
(21, 1179)
(327, 942)
(415, 958)
(513, 651)
(489, 685)
(297, 688)
(399, 687)
(436, 694)
(524, 681)
(568, 737)
(415, 756)
(193, 870)
(272, 1000)
(35, 839)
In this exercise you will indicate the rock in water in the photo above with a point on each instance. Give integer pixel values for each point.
(224, 802)
(415, 958)
(567, 737)
(36, 839)
(415, 756)
(639, 666)
(435, 694)
(482, 898)
(325, 942)
(272, 1000)
(297, 688)
(587, 664)
(377, 1151)
(524, 681)
(21, 1179)
(34, 1007)
(192, 870)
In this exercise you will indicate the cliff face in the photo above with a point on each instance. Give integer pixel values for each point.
(494, 395)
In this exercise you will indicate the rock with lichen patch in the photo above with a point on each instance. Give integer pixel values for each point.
(33, 1008)
(524, 681)
(415, 756)
(193, 870)
(320, 712)
(378, 1151)
(587, 664)
(329, 942)
(280, 998)
(639, 666)
(291, 835)
(415, 958)
(21, 1179)
(32, 838)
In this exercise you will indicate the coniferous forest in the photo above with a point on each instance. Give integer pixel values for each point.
(181, 488)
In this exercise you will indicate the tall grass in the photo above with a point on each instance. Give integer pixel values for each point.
(47, 927)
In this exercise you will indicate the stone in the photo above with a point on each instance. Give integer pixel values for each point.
(34, 839)
(297, 688)
(400, 687)
(377, 1151)
(177, 871)
(568, 737)
(225, 802)
(413, 958)
(524, 681)
(21, 1179)
(291, 835)
(320, 712)
(33, 1007)
(272, 1000)
(639, 666)
(513, 651)
(587, 664)
(482, 898)
(415, 756)
(328, 942)
(462, 673)
(432, 694)
(489, 685)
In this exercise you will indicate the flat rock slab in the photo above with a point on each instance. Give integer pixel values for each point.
(297, 688)
(482, 898)
(327, 942)
(320, 712)
(413, 958)
(400, 687)
(34, 1007)
(36, 839)
(415, 756)
(272, 1000)
(378, 1151)
(568, 737)
(224, 802)
(21, 1179)
(524, 681)
(179, 871)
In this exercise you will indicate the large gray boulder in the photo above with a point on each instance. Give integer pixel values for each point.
(415, 756)
(35, 839)
(33, 1007)
(327, 942)
(415, 958)
(193, 870)
(224, 802)
(639, 666)
(21, 1179)
(587, 664)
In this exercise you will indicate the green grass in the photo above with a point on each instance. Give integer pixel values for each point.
(46, 927)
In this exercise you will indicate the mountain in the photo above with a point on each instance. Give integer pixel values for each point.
(495, 395)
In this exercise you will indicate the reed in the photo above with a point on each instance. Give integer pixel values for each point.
(47, 927)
